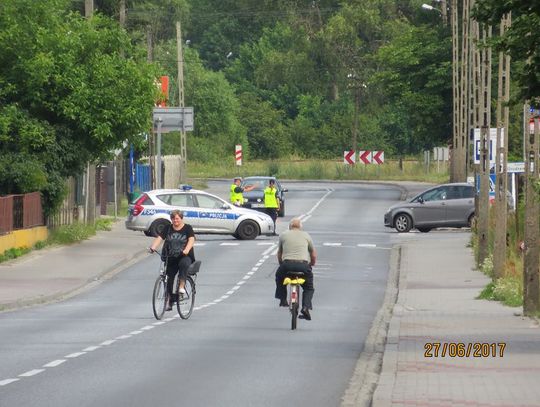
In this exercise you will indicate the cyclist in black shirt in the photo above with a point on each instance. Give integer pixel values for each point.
(177, 250)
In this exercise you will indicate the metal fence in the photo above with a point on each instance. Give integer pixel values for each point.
(20, 212)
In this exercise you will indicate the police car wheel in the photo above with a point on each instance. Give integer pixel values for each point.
(158, 226)
(247, 230)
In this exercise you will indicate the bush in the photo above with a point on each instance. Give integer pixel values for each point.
(508, 290)
(13, 253)
(71, 233)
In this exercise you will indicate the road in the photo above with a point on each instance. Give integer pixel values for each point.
(104, 348)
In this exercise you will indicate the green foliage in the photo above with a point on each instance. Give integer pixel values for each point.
(508, 290)
(104, 224)
(72, 90)
(521, 41)
(13, 253)
(69, 234)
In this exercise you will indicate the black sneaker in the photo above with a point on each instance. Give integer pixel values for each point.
(305, 314)
(283, 303)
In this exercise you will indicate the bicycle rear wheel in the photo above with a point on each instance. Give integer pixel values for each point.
(294, 316)
(186, 301)
(294, 301)
(159, 298)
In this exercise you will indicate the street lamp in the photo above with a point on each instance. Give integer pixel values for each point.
(442, 11)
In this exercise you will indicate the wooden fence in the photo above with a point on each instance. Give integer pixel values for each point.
(20, 212)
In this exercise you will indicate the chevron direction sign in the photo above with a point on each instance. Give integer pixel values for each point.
(349, 157)
(371, 157)
(364, 157)
(378, 157)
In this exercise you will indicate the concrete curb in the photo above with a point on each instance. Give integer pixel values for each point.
(366, 376)
(382, 395)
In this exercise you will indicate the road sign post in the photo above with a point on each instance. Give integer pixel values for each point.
(165, 120)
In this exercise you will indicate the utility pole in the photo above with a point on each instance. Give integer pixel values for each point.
(122, 13)
(151, 137)
(88, 8)
(355, 121)
(90, 201)
(501, 186)
(531, 287)
(183, 150)
(485, 109)
(463, 135)
(444, 12)
(455, 93)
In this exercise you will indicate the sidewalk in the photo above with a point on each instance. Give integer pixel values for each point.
(436, 304)
(57, 273)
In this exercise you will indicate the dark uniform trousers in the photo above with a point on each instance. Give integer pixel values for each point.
(295, 266)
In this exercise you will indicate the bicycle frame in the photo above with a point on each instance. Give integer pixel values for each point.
(294, 295)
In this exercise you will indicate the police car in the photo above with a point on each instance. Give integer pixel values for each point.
(206, 213)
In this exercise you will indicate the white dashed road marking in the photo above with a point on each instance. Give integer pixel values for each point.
(272, 250)
(75, 355)
(55, 363)
(8, 381)
(31, 373)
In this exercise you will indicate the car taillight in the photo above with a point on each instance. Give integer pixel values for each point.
(137, 209)
(137, 205)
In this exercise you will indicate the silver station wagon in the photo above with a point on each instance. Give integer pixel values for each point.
(206, 213)
(448, 205)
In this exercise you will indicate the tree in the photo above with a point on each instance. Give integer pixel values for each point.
(414, 75)
(521, 41)
(68, 96)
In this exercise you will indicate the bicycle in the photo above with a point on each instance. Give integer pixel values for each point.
(294, 294)
(184, 302)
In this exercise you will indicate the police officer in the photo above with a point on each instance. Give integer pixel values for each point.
(236, 191)
(271, 201)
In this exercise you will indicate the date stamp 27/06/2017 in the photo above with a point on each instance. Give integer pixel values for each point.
(464, 350)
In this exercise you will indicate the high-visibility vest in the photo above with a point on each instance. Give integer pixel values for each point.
(236, 197)
(270, 199)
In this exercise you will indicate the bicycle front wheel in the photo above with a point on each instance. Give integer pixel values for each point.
(159, 298)
(186, 301)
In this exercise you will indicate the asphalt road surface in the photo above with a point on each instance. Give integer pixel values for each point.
(237, 348)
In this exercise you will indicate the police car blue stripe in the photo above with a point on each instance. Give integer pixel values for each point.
(151, 211)
(218, 215)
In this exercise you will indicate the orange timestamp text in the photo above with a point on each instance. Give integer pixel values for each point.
(464, 350)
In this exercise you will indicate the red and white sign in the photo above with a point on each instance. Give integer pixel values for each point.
(349, 157)
(163, 86)
(238, 154)
(364, 157)
(531, 126)
(378, 157)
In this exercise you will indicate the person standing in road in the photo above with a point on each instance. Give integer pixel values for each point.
(178, 252)
(271, 201)
(236, 191)
(296, 253)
